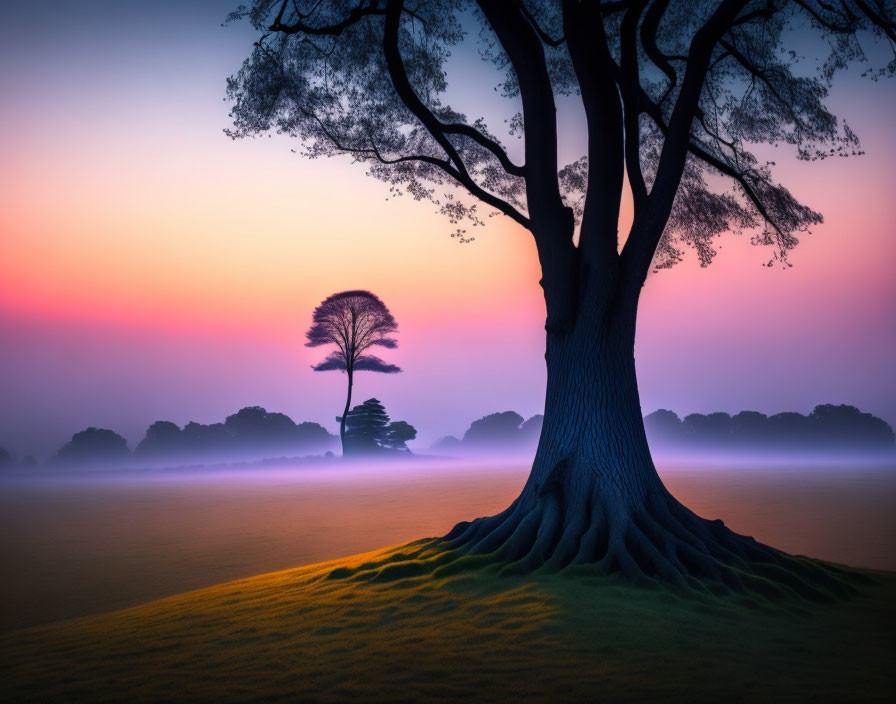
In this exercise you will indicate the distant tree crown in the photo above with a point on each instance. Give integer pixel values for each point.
(368, 429)
(354, 321)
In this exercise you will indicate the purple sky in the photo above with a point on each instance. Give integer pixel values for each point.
(151, 268)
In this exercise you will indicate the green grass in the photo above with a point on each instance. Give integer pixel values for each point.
(332, 632)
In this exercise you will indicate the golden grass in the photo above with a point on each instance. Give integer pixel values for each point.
(301, 635)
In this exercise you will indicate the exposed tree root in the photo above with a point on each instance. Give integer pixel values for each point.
(660, 542)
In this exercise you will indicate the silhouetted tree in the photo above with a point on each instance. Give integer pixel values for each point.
(748, 426)
(199, 438)
(251, 429)
(663, 425)
(255, 427)
(495, 428)
(366, 428)
(448, 443)
(531, 428)
(675, 95)
(162, 438)
(835, 425)
(254, 424)
(827, 428)
(398, 434)
(711, 427)
(504, 431)
(354, 321)
(6, 459)
(94, 445)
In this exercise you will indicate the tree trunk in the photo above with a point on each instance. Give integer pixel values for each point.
(594, 499)
(594, 495)
(348, 403)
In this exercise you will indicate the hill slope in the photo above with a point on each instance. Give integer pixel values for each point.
(303, 635)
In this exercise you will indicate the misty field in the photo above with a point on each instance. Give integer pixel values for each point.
(84, 546)
(80, 544)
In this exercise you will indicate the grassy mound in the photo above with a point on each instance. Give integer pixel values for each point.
(382, 627)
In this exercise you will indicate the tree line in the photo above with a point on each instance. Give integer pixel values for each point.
(828, 427)
(253, 431)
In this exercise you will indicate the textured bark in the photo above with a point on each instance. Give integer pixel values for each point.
(594, 496)
(594, 502)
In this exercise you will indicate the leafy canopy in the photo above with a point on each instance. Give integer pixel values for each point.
(354, 321)
(678, 96)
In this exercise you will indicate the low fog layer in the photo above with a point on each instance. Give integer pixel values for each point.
(255, 436)
(828, 431)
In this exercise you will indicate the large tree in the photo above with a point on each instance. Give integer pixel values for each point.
(353, 321)
(678, 99)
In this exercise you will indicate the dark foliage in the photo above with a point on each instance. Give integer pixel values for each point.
(250, 431)
(354, 321)
(94, 445)
(6, 459)
(368, 430)
(449, 444)
(678, 92)
(501, 431)
(495, 428)
(162, 438)
(828, 427)
(365, 427)
(398, 434)
(531, 428)
(206, 439)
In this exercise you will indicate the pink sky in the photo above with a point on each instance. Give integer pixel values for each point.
(152, 268)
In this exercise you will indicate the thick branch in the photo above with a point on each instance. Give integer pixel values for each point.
(649, 28)
(647, 230)
(629, 89)
(886, 24)
(824, 22)
(553, 222)
(543, 35)
(361, 10)
(490, 144)
(526, 54)
(593, 65)
(402, 85)
(446, 128)
(436, 127)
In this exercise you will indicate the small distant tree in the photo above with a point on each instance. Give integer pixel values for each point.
(94, 445)
(366, 427)
(354, 321)
(495, 428)
(368, 430)
(398, 434)
(162, 438)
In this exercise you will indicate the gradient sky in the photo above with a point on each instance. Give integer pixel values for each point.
(151, 268)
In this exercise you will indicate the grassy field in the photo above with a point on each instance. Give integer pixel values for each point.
(319, 634)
